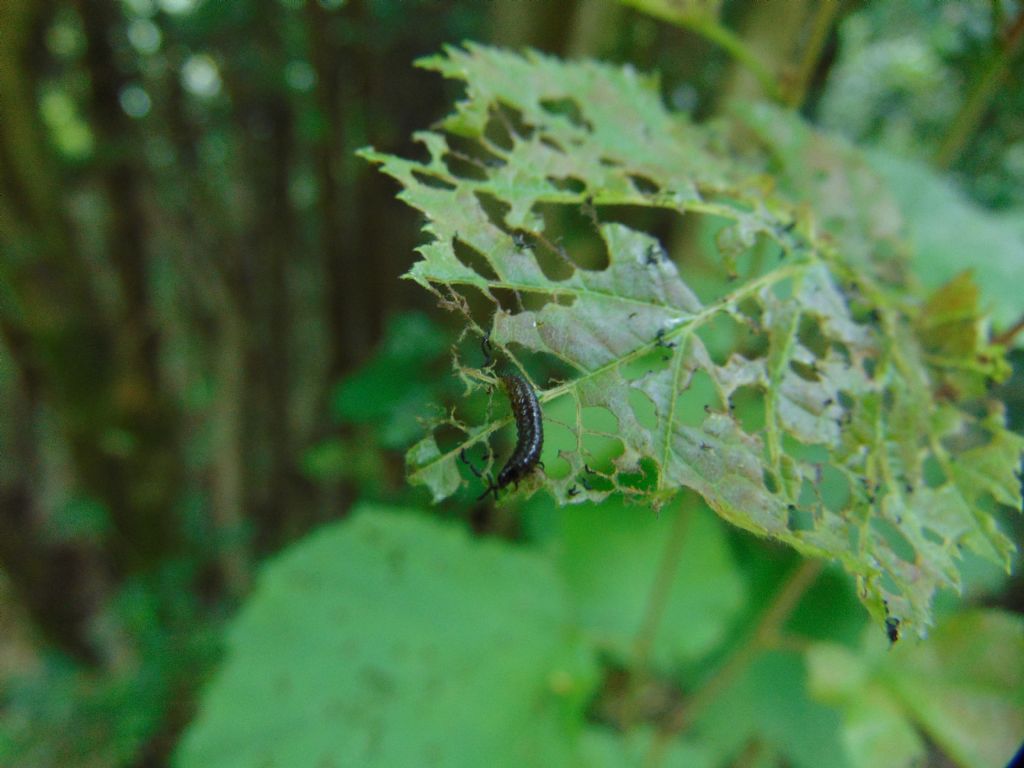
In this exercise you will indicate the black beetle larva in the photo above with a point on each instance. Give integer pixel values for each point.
(529, 428)
(529, 433)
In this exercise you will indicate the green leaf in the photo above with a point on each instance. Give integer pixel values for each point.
(769, 704)
(395, 388)
(875, 731)
(392, 640)
(950, 232)
(796, 393)
(604, 748)
(951, 327)
(610, 554)
(964, 689)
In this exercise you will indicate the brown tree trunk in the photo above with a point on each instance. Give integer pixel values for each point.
(143, 479)
(51, 333)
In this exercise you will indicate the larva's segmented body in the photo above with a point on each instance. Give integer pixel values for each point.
(529, 431)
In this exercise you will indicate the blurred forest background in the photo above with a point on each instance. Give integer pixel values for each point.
(205, 347)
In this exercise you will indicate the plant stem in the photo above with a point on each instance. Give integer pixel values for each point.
(765, 634)
(1006, 337)
(727, 40)
(661, 589)
(708, 27)
(654, 611)
(977, 101)
(823, 19)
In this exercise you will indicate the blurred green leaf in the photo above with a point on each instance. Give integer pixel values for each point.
(964, 688)
(604, 748)
(80, 518)
(950, 233)
(356, 459)
(399, 384)
(393, 640)
(610, 554)
(769, 705)
(875, 732)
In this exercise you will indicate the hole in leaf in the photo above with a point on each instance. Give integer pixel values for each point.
(644, 477)
(568, 109)
(810, 453)
(721, 336)
(748, 408)
(834, 488)
(448, 437)
(842, 352)
(433, 182)
(507, 300)
(473, 298)
(643, 408)
(810, 335)
(933, 537)
(550, 143)
(932, 471)
(804, 371)
(853, 537)
(545, 368)
(567, 184)
(610, 162)
(564, 299)
(894, 538)
(693, 403)
(600, 451)
(752, 309)
(473, 259)
(470, 352)
(474, 150)
(553, 262)
(495, 209)
(506, 124)
(569, 233)
(598, 480)
(558, 439)
(754, 346)
(799, 519)
(644, 185)
(808, 495)
(465, 167)
(657, 222)
(600, 420)
(650, 362)
(889, 586)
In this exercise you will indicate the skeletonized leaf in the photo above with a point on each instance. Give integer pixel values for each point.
(792, 382)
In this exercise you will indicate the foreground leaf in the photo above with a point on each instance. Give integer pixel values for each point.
(392, 640)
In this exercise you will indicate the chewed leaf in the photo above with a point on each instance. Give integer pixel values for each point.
(785, 382)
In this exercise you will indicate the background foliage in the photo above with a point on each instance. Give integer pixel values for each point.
(206, 355)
